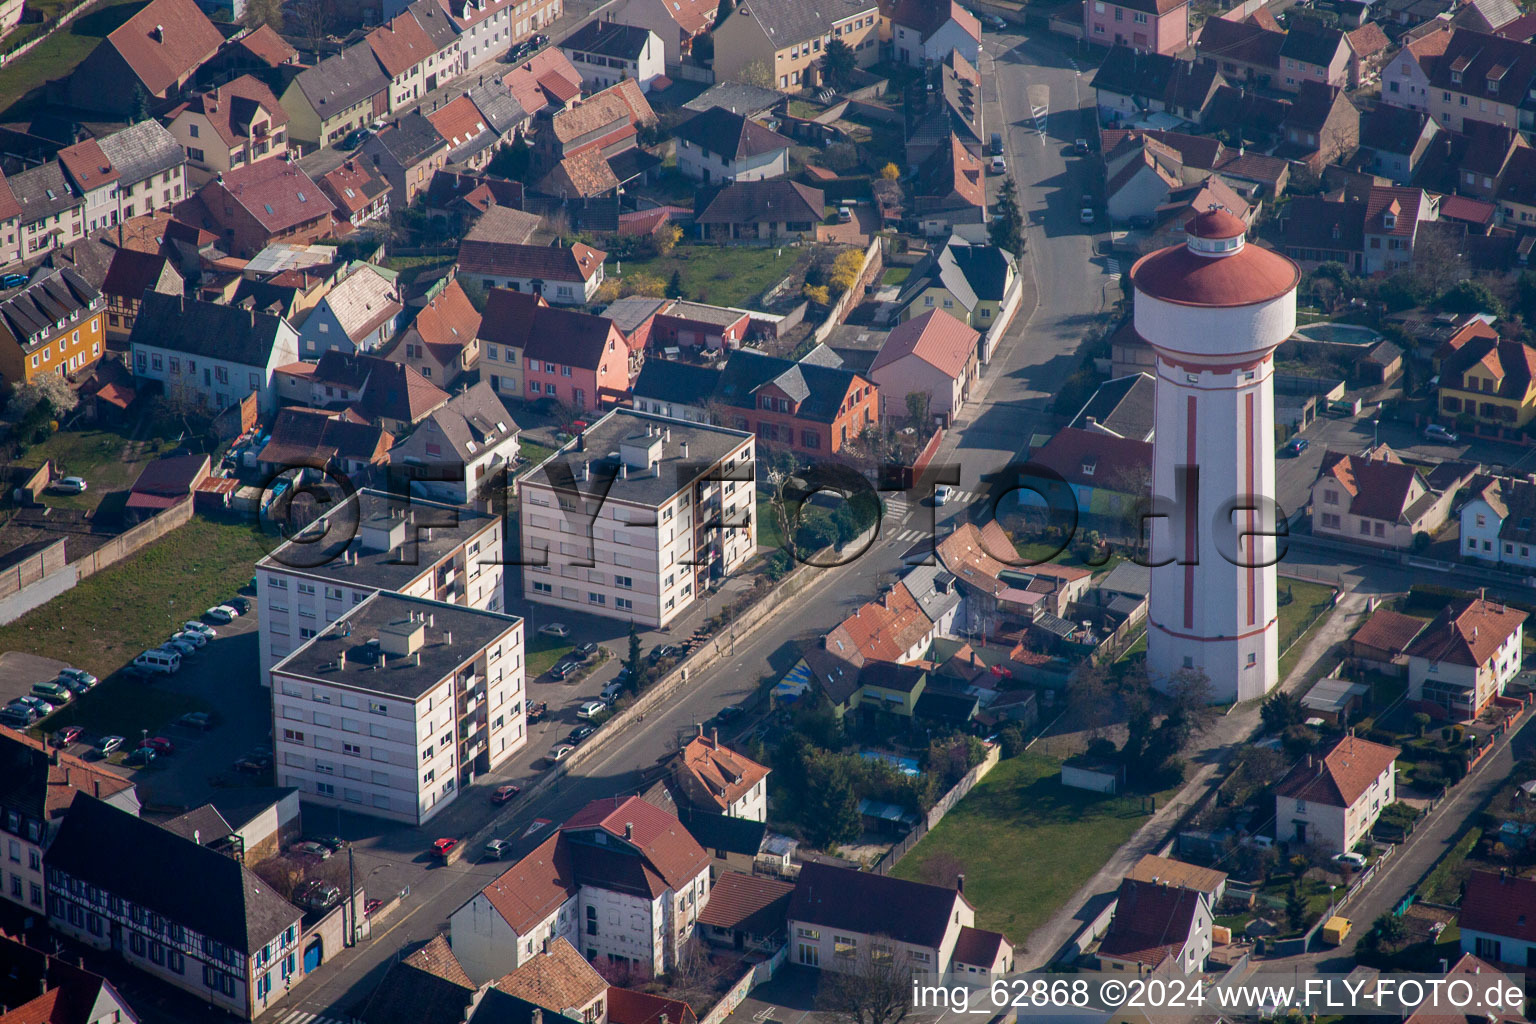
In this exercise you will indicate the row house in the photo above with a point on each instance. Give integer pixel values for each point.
(786, 40)
(150, 58)
(228, 127)
(357, 194)
(1483, 78)
(92, 174)
(209, 355)
(622, 880)
(1368, 48)
(331, 99)
(359, 314)
(949, 189)
(544, 83)
(131, 274)
(443, 342)
(567, 276)
(1396, 140)
(216, 931)
(52, 211)
(42, 784)
(447, 61)
(53, 325)
(44, 986)
(1313, 52)
(151, 168)
(1129, 84)
(606, 124)
(396, 707)
(1246, 53)
(270, 201)
(404, 51)
(678, 515)
(470, 140)
(1405, 78)
(1487, 152)
(577, 359)
(489, 28)
(1392, 219)
(677, 23)
(1321, 126)
(407, 154)
(1148, 26)
(382, 543)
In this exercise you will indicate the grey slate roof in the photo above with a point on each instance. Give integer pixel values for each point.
(934, 589)
(142, 149)
(1128, 577)
(342, 81)
(43, 191)
(49, 298)
(202, 825)
(719, 832)
(192, 885)
(434, 21)
(608, 39)
(818, 388)
(985, 267)
(631, 311)
(1125, 406)
(738, 97)
(729, 135)
(666, 380)
(409, 140)
(502, 111)
(473, 419)
(206, 329)
(791, 21)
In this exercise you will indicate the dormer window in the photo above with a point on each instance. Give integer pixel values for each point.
(1493, 85)
(1456, 77)
(1389, 221)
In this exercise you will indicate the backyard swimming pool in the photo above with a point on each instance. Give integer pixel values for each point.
(1338, 334)
(905, 765)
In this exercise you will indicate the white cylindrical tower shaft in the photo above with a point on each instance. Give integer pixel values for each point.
(1214, 310)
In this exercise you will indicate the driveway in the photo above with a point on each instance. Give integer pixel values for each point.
(866, 221)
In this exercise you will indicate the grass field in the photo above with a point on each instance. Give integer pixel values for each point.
(1026, 842)
(110, 617)
(543, 652)
(1310, 602)
(768, 533)
(57, 57)
(723, 275)
(105, 458)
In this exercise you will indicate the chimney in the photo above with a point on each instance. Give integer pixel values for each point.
(197, 836)
(623, 471)
(714, 737)
(629, 830)
(431, 617)
(536, 1016)
(701, 730)
(684, 449)
(960, 883)
(447, 638)
(586, 470)
(159, 33)
(668, 435)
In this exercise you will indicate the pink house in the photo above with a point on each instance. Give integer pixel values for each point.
(576, 359)
(1155, 26)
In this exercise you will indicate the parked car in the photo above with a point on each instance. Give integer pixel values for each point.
(662, 651)
(504, 793)
(1354, 860)
(65, 736)
(20, 706)
(443, 847)
(13, 280)
(496, 849)
(72, 485)
(158, 662)
(586, 651)
(37, 704)
(74, 685)
(108, 745)
(310, 849)
(194, 626)
(535, 712)
(159, 744)
(727, 713)
(564, 670)
(941, 494)
(333, 843)
(221, 614)
(1296, 446)
(241, 605)
(1435, 432)
(199, 720)
(356, 137)
(560, 752)
(16, 718)
(591, 709)
(1080, 147)
(612, 692)
(317, 894)
(579, 733)
(79, 675)
(844, 215)
(185, 648)
(1086, 214)
(143, 757)
(253, 764)
(191, 636)
(555, 629)
(996, 22)
(1143, 222)
(54, 693)
(999, 165)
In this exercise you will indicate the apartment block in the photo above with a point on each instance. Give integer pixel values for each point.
(638, 516)
(372, 542)
(399, 704)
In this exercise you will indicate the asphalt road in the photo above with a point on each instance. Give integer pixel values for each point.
(1012, 400)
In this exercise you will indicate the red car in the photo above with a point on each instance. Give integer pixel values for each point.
(159, 744)
(505, 793)
(65, 736)
(442, 847)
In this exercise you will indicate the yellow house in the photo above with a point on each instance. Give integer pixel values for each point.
(341, 93)
(782, 43)
(1491, 382)
(53, 325)
(968, 281)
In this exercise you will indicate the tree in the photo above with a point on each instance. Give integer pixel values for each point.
(1296, 907)
(675, 285)
(632, 660)
(845, 270)
(314, 19)
(1525, 297)
(703, 49)
(667, 236)
(890, 172)
(48, 391)
(1421, 722)
(1007, 229)
(832, 807)
(1438, 262)
(819, 294)
(263, 12)
(1388, 930)
(693, 972)
(875, 989)
(1090, 699)
(1190, 712)
(837, 63)
(512, 160)
(754, 73)
(1298, 739)
(919, 404)
(1281, 710)
(1471, 297)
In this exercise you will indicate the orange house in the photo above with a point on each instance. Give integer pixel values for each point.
(808, 406)
(53, 325)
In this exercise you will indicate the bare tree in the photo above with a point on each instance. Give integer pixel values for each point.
(693, 975)
(282, 873)
(1438, 262)
(314, 19)
(1091, 699)
(874, 986)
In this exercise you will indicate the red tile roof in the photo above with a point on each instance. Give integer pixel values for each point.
(578, 262)
(235, 107)
(881, 630)
(1379, 487)
(751, 903)
(1251, 275)
(660, 838)
(10, 209)
(558, 979)
(1467, 632)
(88, 165)
(1404, 202)
(1442, 1008)
(926, 17)
(266, 45)
(1341, 776)
(351, 186)
(528, 84)
(1152, 922)
(1368, 40)
(1389, 631)
(400, 45)
(716, 775)
(275, 192)
(1090, 458)
(36, 786)
(978, 947)
(436, 958)
(447, 323)
(458, 121)
(1500, 904)
(165, 42)
(131, 272)
(1472, 211)
(533, 888)
(693, 16)
(936, 338)
(626, 1006)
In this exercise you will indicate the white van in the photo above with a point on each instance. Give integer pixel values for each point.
(163, 662)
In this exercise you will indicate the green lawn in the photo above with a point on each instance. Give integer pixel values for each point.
(543, 652)
(107, 460)
(1026, 842)
(534, 452)
(723, 275)
(768, 533)
(57, 57)
(896, 275)
(110, 617)
(1310, 602)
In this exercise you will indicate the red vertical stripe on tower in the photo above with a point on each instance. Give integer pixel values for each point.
(1250, 539)
(1191, 512)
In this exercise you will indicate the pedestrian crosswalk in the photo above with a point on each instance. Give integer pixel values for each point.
(300, 1017)
(911, 536)
(957, 496)
(896, 506)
